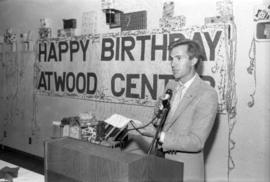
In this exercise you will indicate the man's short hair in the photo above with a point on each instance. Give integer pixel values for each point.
(193, 48)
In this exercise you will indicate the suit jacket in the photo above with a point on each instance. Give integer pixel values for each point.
(189, 127)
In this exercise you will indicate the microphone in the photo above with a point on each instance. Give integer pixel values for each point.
(167, 97)
(165, 102)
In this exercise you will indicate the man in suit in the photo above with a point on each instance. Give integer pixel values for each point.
(193, 111)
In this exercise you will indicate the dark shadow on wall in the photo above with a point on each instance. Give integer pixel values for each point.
(211, 139)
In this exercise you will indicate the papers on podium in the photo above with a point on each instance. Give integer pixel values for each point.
(120, 121)
(116, 126)
(117, 121)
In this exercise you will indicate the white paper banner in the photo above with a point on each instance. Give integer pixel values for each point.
(129, 67)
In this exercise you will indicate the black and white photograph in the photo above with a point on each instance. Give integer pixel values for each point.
(134, 91)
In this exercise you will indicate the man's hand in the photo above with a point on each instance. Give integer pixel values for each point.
(149, 131)
(134, 124)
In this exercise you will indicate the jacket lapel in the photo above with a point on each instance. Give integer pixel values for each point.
(189, 95)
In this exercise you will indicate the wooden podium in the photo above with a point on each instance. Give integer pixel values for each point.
(71, 160)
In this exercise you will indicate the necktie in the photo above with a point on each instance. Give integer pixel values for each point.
(175, 100)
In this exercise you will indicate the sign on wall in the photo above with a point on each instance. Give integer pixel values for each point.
(128, 67)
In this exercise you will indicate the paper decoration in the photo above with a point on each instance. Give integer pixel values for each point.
(262, 12)
(170, 24)
(218, 19)
(27, 40)
(261, 15)
(225, 13)
(27, 36)
(96, 70)
(224, 8)
(9, 36)
(45, 33)
(24, 37)
(61, 33)
(168, 9)
(44, 23)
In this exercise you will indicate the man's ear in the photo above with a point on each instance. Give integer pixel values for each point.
(194, 61)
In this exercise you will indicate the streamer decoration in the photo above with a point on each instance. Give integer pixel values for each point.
(252, 70)
(231, 98)
(225, 9)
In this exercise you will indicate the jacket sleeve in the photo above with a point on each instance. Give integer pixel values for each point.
(202, 122)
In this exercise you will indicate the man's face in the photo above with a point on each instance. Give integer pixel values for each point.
(182, 66)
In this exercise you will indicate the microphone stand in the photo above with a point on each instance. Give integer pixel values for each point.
(154, 143)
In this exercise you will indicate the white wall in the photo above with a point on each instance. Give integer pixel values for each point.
(251, 132)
